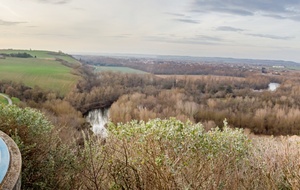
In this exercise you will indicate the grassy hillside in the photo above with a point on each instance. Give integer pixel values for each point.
(41, 54)
(43, 71)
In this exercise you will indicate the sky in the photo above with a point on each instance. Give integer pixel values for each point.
(257, 29)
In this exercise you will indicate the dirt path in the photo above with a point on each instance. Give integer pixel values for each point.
(8, 99)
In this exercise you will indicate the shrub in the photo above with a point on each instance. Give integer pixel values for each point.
(27, 122)
(46, 162)
(170, 154)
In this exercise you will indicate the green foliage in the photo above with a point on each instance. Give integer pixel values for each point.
(171, 154)
(185, 136)
(33, 121)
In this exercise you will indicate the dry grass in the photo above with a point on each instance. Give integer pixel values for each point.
(278, 161)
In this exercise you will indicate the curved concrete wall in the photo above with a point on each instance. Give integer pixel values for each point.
(4, 159)
(12, 178)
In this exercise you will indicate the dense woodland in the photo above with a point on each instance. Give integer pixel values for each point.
(244, 101)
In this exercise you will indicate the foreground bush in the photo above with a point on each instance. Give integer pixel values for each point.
(169, 154)
(45, 161)
(165, 154)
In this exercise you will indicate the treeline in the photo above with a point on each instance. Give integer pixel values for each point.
(172, 67)
(19, 55)
(99, 60)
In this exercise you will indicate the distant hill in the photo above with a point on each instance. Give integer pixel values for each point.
(220, 60)
(232, 60)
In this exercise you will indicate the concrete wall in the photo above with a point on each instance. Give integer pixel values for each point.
(12, 179)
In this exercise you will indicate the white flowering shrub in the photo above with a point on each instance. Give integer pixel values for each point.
(170, 154)
(27, 122)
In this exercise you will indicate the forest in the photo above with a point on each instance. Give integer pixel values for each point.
(204, 99)
(221, 100)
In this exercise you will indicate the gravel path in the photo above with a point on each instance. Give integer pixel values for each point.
(8, 99)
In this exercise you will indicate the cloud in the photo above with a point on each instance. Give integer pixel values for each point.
(59, 2)
(279, 9)
(198, 39)
(236, 11)
(275, 16)
(9, 23)
(242, 31)
(183, 18)
(229, 29)
(191, 21)
(208, 38)
(176, 14)
(272, 36)
(121, 36)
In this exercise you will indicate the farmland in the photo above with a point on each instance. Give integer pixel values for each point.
(40, 54)
(43, 71)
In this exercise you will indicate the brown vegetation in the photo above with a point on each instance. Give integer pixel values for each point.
(204, 99)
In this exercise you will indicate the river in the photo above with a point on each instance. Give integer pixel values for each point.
(98, 118)
(273, 86)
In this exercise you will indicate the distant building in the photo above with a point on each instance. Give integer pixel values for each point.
(278, 66)
(264, 70)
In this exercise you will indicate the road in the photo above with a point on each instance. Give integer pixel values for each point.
(8, 99)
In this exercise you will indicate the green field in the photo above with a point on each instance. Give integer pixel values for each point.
(42, 71)
(118, 69)
(3, 100)
(15, 100)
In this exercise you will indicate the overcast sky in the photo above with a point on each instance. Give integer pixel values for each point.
(264, 29)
